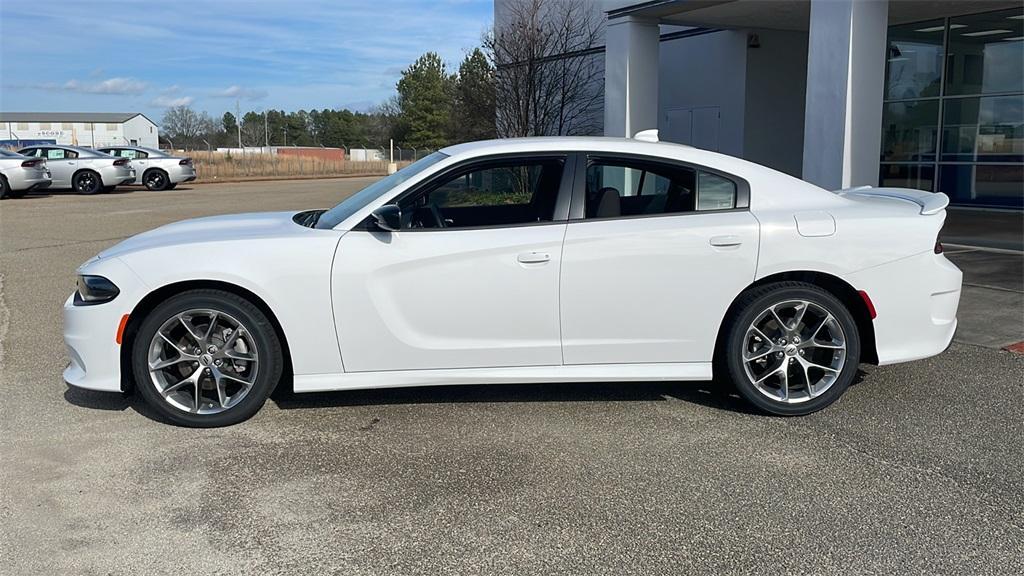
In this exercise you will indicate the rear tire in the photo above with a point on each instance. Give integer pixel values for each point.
(5, 189)
(206, 358)
(155, 179)
(87, 182)
(791, 348)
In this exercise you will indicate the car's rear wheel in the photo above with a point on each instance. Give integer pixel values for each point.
(792, 348)
(6, 192)
(155, 180)
(206, 358)
(87, 182)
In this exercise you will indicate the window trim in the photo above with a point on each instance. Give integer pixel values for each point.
(577, 209)
(562, 199)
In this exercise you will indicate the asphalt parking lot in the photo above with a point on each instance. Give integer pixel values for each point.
(918, 469)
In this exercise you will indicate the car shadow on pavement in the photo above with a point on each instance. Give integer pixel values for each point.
(710, 394)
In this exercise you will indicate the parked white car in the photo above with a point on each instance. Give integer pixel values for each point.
(84, 170)
(524, 260)
(156, 169)
(21, 174)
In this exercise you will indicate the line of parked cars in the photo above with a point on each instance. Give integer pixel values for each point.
(88, 170)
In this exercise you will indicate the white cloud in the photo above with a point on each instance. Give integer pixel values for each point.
(109, 86)
(174, 89)
(168, 102)
(240, 92)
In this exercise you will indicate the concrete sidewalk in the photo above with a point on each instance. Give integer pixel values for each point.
(992, 305)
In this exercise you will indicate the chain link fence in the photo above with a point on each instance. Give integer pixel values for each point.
(217, 166)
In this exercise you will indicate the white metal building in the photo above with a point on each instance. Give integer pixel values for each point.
(925, 94)
(79, 128)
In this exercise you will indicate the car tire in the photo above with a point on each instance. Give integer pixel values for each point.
(87, 182)
(222, 380)
(791, 348)
(155, 179)
(5, 189)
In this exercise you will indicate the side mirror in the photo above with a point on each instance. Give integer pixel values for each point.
(388, 217)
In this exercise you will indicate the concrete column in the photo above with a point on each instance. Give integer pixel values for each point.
(845, 80)
(630, 76)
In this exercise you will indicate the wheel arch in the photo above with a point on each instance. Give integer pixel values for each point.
(151, 300)
(80, 170)
(835, 286)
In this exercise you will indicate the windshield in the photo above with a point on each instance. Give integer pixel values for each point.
(357, 201)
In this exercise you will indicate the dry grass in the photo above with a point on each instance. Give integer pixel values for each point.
(215, 167)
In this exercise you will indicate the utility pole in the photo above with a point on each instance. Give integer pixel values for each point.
(266, 131)
(238, 124)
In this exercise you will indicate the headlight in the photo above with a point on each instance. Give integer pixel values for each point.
(94, 290)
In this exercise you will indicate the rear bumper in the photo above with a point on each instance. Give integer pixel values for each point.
(181, 174)
(29, 180)
(916, 300)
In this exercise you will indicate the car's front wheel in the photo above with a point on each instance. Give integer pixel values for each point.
(206, 358)
(792, 348)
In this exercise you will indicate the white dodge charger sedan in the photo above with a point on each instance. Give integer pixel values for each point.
(524, 260)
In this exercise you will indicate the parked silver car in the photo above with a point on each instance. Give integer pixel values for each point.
(156, 169)
(20, 174)
(84, 170)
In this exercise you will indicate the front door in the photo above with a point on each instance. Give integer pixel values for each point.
(653, 262)
(469, 281)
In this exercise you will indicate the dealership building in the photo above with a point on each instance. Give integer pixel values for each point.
(77, 129)
(912, 93)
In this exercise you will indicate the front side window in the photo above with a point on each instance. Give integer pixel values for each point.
(503, 193)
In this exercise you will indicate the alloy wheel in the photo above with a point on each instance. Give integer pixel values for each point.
(794, 351)
(87, 182)
(202, 361)
(155, 180)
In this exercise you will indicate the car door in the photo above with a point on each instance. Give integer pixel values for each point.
(654, 254)
(62, 164)
(139, 160)
(471, 278)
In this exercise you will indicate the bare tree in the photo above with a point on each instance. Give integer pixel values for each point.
(549, 75)
(186, 127)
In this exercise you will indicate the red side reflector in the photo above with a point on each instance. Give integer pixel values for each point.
(124, 322)
(938, 247)
(867, 302)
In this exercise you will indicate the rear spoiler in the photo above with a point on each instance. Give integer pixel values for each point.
(930, 202)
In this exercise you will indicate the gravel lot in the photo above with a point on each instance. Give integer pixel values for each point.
(918, 469)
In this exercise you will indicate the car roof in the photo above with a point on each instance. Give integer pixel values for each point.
(80, 149)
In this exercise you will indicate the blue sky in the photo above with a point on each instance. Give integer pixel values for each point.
(141, 56)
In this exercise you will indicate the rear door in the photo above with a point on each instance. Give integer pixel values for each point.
(471, 278)
(654, 254)
(62, 164)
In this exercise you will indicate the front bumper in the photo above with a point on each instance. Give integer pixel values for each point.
(90, 332)
(916, 299)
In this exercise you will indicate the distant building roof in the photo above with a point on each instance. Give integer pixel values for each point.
(111, 117)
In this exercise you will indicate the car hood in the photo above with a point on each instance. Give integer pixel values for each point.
(210, 229)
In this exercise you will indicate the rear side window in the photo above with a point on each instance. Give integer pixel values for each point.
(620, 187)
(617, 188)
(55, 154)
(510, 192)
(715, 192)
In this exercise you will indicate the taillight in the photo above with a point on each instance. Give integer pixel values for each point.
(938, 247)
(185, 162)
(31, 163)
(120, 162)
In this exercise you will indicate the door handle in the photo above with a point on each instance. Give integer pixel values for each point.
(533, 257)
(725, 240)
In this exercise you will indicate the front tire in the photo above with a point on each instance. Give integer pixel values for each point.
(155, 180)
(206, 358)
(87, 182)
(792, 348)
